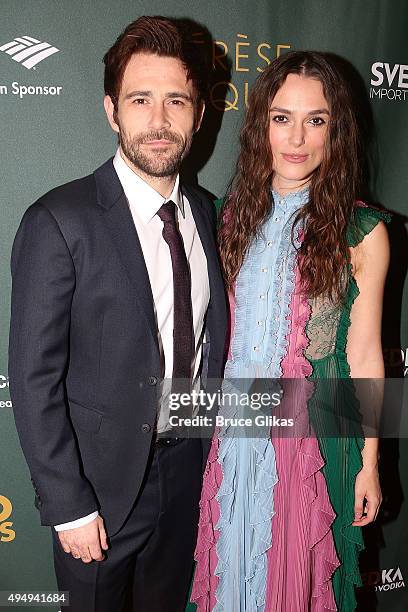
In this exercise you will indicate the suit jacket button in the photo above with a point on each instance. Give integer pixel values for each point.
(152, 380)
(146, 428)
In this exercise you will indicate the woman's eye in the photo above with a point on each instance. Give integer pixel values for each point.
(279, 119)
(317, 121)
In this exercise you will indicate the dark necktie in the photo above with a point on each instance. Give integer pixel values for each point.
(183, 337)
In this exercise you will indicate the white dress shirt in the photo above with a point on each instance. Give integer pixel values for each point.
(144, 203)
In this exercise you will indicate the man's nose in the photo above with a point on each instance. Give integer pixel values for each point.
(297, 135)
(159, 117)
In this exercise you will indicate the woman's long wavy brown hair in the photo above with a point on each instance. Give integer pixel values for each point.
(333, 186)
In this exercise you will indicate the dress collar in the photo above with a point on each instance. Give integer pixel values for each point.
(291, 201)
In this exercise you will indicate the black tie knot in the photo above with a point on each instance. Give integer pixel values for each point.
(167, 212)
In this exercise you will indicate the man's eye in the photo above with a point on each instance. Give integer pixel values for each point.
(177, 102)
(139, 101)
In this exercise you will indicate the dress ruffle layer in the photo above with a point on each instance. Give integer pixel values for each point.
(303, 558)
(341, 477)
(205, 581)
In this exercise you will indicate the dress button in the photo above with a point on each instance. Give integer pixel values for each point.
(276, 219)
(255, 348)
(264, 269)
(152, 380)
(282, 202)
(260, 323)
(269, 243)
(262, 296)
(146, 428)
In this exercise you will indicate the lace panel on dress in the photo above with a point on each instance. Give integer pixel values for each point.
(323, 325)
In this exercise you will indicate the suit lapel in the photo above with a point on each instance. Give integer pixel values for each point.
(119, 223)
(216, 323)
(205, 232)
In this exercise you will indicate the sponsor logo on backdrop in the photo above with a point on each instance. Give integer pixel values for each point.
(4, 386)
(397, 358)
(28, 52)
(384, 580)
(389, 81)
(4, 381)
(6, 533)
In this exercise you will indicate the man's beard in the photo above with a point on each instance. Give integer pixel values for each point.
(160, 162)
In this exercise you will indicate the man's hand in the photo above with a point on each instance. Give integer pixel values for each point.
(86, 542)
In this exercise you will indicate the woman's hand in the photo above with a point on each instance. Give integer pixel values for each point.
(367, 488)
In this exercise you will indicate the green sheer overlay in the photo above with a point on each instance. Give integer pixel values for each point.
(327, 331)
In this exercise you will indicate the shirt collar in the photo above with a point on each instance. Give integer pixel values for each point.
(142, 198)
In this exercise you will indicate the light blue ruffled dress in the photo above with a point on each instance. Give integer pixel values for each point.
(263, 293)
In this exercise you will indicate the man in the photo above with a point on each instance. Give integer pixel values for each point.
(115, 282)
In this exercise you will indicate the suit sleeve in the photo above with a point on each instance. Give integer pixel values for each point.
(43, 285)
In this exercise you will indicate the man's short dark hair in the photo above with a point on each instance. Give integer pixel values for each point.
(162, 36)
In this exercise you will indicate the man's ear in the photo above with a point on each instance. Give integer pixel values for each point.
(110, 113)
(199, 115)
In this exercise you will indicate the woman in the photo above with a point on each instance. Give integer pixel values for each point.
(305, 262)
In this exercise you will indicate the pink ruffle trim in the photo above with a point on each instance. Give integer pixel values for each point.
(312, 504)
(205, 581)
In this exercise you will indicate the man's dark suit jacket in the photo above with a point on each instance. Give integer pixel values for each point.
(84, 360)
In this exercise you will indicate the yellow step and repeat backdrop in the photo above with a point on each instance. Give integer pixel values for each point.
(53, 129)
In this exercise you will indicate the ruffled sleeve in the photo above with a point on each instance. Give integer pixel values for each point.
(365, 218)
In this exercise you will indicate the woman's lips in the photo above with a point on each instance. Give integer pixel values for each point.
(295, 159)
